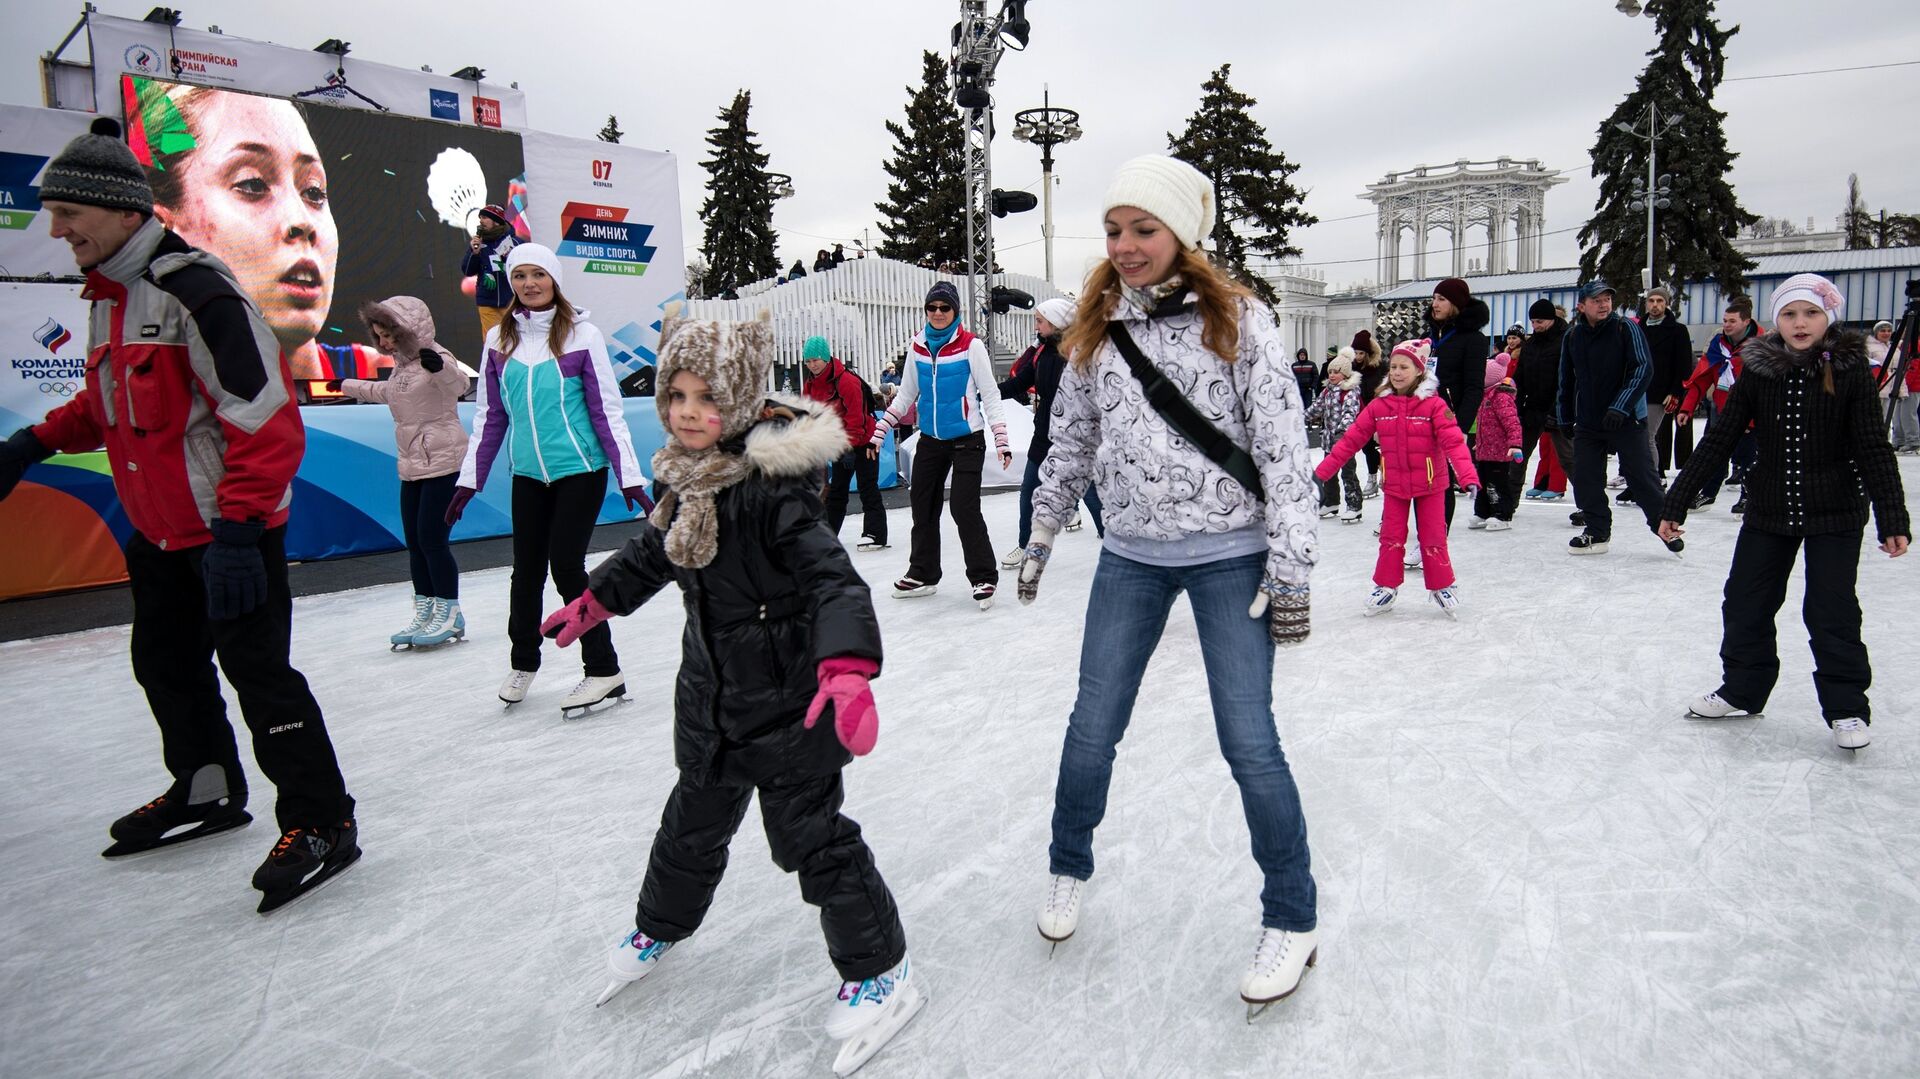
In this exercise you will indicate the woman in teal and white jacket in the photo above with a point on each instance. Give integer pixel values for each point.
(547, 393)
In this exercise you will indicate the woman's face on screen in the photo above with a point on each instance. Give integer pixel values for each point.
(254, 193)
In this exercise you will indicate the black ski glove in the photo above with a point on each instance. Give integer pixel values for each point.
(431, 360)
(1614, 420)
(16, 454)
(235, 573)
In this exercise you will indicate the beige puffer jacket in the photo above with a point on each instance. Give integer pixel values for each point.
(426, 426)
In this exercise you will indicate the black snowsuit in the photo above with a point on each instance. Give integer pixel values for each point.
(1460, 350)
(779, 596)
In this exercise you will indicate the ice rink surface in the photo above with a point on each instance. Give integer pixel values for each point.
(1529, 864)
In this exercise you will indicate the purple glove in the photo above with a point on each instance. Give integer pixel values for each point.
(567, 624)
(843, 682)
(457, 505)
(637, 496)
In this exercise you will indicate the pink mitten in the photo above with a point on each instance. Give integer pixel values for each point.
(843, 681)
(568, 623)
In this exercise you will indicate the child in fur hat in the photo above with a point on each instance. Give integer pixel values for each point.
(779, 629)
(1335, 410)
(1823, 460)
(1419, 439)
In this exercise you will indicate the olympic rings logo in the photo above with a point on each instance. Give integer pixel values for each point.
(64, 389)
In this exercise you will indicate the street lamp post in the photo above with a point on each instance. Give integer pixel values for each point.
(1046, 127)
(1653, 193)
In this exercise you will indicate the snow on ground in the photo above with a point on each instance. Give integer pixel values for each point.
(1529, 863)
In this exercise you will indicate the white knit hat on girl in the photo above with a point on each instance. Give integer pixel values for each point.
(1058, 312)
(1169, 189)
(534, 255)
(1812, 288)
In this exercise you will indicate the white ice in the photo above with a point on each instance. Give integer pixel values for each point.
(1529, 864)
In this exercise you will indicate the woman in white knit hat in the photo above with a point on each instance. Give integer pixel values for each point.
(1036, 375)
(1230, 525)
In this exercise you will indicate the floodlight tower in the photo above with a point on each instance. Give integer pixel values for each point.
(979, 40)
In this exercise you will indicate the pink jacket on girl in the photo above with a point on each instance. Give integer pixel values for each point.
(426, 426)
(1418, 439)
(1498, 431)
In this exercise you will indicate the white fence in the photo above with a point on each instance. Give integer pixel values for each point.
(867, 309)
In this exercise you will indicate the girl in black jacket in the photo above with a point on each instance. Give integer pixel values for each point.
(779, 628)
(1806, 390)
(1457, 326)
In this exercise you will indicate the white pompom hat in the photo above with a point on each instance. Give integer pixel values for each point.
(1170, 189)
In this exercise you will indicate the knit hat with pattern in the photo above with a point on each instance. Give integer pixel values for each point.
(98, 169)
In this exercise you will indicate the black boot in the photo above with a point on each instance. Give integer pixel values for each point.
(304, 859)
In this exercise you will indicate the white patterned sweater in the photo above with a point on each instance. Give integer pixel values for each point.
(1155, 485)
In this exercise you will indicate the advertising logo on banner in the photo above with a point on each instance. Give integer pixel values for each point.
(444, 104)
(42, 362)
(29, 138)
(612, 215)
(157, 51)
(486, 112)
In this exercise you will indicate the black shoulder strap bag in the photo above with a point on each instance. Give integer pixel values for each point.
(1179, 412)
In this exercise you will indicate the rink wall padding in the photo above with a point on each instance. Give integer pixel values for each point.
(64, 527)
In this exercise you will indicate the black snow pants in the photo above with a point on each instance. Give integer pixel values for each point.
(174, 643)
(965, 457)
(1757, 586)
(807, 834)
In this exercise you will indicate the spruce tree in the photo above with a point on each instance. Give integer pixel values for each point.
(739, 243)
(611, 132)
(925, 215)
(1257, 207)
(1694, 238)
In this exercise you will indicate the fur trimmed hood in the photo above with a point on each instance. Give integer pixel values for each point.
(408, 321)
(1770, 356)
(794, 437)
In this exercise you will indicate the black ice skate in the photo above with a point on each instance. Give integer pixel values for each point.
(164, 822)
(305, 859)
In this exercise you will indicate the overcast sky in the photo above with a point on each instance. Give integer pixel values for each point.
(1348, 91)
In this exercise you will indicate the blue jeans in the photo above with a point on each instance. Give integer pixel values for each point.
(1030, 481)
(1125, 617)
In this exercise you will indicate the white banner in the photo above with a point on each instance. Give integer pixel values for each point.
(29, 138)
(43, 350)
(612, 214)
(177, 54)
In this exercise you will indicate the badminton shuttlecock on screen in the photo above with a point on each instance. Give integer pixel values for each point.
(457, 188)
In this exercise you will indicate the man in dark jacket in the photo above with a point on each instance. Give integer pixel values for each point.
(1604, 368)
(486, 263)
(1457, 326)
(830, 383)
(1306, 373)
(188, 393)
(1539, 384)
(1671, 348)
(1040, 378)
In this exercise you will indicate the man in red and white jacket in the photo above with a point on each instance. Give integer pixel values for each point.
(829, 382)
(188, 392)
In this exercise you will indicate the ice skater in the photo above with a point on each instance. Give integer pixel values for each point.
(1496, 450)
(1335, 410)
(548, 395)
(950, 372)
(780, 635)
(1821, 439)
(191, 396)
(424, 394)
(1419, 440)
(1168, 355)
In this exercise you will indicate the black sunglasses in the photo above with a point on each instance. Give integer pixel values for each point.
(939, 308)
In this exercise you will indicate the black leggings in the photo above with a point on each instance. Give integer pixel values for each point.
(423, 517)
(552, 524)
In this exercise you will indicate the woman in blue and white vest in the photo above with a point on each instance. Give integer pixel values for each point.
(547, 393)
(950, 375)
